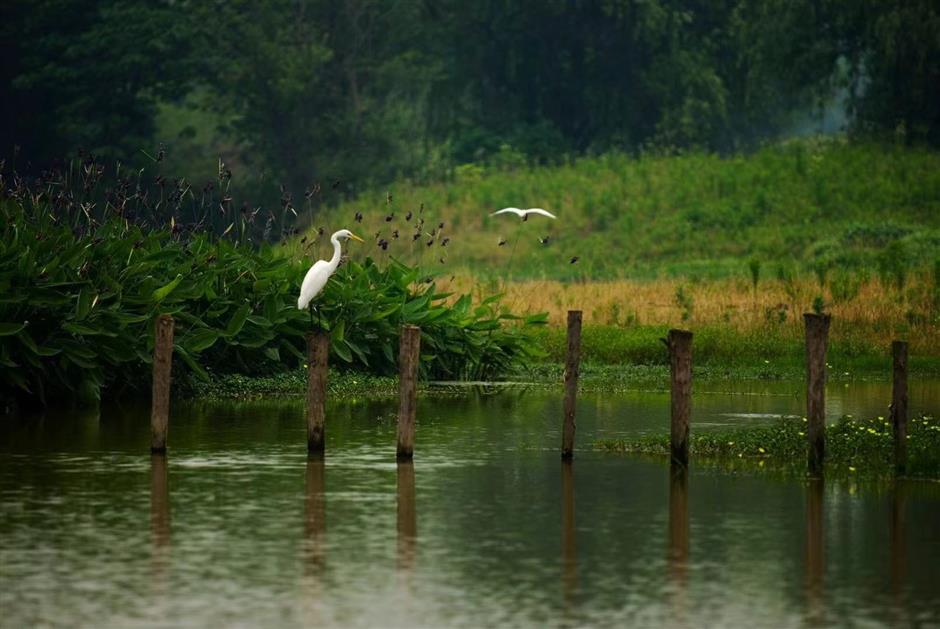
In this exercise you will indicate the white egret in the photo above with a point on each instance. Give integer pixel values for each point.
(318, 275)
(524, 214)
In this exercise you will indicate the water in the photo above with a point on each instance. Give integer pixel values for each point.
(236, 527)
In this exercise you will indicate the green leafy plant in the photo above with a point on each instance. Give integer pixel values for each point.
(77, 304)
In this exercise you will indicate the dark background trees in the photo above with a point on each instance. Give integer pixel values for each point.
(361, 92)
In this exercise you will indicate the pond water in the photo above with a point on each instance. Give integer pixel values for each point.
(237, 527)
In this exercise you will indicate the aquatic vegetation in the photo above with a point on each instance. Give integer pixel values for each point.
(863, 446)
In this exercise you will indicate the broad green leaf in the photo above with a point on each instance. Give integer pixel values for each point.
(8, 329)
(200, 340)
(237, 321)
(192, 364)
(342, 350)
(161, 293)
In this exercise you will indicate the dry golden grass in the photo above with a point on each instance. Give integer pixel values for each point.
(875, 315)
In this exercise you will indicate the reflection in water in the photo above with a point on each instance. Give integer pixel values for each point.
(569, 550)
(898, 550)
(315, 515)
(407, 523)
(814, 552)
(159, 519)
(496, 525)
(678, 555)
(314, 552)
(159, 501)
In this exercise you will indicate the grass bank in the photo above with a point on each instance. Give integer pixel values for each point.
(862, 447)
(800, 207)
(734, 248)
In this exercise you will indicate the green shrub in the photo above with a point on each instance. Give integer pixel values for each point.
(77, 305)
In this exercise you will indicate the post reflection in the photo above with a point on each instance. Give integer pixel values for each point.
(898, 549)
(315, 515)
(407, 521)
(569, 549)
(678, 551)
(814, 557)
(159, 516)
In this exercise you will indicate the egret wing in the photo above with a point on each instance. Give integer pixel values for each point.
(509, 210)
(538, 210)
(313, 283)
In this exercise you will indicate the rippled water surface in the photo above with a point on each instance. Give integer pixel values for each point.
(237, 527)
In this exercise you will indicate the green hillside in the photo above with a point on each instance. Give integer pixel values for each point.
(803, 206)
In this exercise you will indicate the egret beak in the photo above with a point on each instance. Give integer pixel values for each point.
(355, 237)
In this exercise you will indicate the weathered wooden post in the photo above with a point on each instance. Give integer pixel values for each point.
(817, 332)
(572, 367)
(409, 354)
(679, 343)
(318, 350)
(162, 364)
(899, 405)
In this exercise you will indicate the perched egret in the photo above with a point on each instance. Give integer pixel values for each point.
(524, 214)
(318, 275)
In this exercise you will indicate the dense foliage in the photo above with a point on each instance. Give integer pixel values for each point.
(366, 91)
(79, 290)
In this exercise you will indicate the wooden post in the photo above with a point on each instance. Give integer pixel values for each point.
(162, 364)
(572, 367)
(318, 350)
(899, 405)
(409, 354)
(817, 332)
(679, 343)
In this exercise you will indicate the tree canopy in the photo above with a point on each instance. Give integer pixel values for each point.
(361, 92)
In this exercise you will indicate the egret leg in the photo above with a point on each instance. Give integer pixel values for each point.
(310, 310)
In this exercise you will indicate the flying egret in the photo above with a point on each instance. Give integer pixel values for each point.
(318, 275)
(524, 214)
